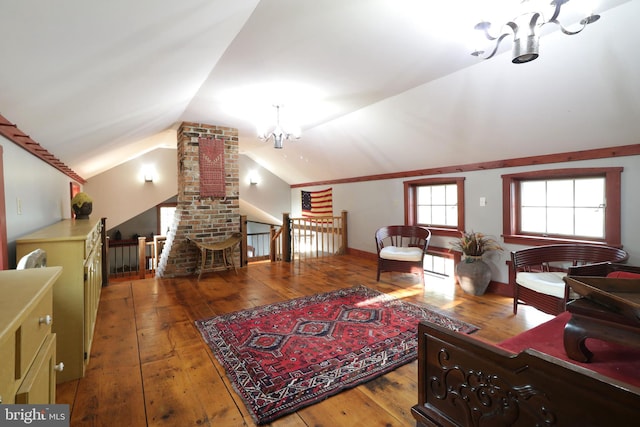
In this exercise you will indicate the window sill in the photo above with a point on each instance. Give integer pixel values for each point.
(436, 231)
(520, 239)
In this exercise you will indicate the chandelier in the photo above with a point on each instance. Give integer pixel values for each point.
(279, 134)
(525, 29)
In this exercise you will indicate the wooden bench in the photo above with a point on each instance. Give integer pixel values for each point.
(465, 381)
(225, 248)
(536, 274)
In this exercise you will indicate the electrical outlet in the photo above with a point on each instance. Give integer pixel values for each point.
(483, 201)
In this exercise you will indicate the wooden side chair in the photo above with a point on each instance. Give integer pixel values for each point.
(402, 248)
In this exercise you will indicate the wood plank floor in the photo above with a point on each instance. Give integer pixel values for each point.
(150, 367)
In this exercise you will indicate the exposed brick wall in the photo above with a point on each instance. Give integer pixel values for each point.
(203, 219)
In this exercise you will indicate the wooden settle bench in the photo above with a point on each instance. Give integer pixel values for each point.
(536, 274)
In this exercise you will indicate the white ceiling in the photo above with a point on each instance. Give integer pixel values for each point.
(377, 86)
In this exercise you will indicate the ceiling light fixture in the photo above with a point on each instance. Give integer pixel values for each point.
(525, 28)
(279, 134)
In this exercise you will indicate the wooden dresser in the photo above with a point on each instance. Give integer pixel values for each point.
(27, 345)
(76, 246)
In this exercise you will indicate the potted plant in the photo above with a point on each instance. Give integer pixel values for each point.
(82, 205)
(472, 273)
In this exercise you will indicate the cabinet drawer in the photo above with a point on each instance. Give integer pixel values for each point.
(39, 385)
(32, 333)
(7, 370)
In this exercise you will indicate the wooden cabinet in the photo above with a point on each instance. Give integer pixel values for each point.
(27, 343)
(76, 246)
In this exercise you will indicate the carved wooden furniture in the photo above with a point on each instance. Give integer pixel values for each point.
(226, 248)
(536, 274)
(27, 344)
(402, 248)
(463, 381)
(75, 245)
(609, 310)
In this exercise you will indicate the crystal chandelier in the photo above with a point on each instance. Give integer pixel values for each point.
(525, 29)
(279, 134)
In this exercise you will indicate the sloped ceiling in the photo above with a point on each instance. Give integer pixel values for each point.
(377, 86)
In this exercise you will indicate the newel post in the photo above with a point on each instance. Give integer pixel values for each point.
(244, 259)
(345, 235)
(286, 237)
(142, 256)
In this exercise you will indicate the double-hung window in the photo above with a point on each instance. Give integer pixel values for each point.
(436, 203)
(562, 205)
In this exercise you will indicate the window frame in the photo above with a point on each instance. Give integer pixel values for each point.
(511, 205)
(159, 216)
(410, 207)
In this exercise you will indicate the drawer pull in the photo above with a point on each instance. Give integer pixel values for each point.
(59, 367)
(46, 320)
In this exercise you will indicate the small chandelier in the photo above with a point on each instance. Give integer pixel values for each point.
(525, 29)
(279, 134)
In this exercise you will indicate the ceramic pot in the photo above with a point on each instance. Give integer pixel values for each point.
(83, 211)
(473, 275)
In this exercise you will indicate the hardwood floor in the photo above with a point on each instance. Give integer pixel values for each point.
(150, 366)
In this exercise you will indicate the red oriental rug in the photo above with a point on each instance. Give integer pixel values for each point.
(285, 356)
(610, 359)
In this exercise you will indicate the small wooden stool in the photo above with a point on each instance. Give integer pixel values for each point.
(226, 247)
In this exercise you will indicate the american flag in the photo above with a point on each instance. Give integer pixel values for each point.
(317, 203)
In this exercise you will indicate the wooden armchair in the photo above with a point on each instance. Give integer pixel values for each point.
(537, 273)
(401, 248)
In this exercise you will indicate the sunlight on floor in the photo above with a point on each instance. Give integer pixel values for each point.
(443, 285)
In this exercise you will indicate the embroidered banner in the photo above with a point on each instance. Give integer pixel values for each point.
(317, 203)
(212, 183)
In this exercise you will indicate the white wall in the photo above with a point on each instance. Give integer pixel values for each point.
(42, 192)
(121, 193)
(374, 204)
(265, 201)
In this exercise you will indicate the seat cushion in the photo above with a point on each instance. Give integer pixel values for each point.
(623, 275)
(399, 253)
(548, 282)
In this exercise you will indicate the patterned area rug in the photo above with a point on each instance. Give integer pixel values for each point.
(285, 356)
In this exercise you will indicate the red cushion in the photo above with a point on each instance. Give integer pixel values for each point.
(623, 275)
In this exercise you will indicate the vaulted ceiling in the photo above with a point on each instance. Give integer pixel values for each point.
(377, 86)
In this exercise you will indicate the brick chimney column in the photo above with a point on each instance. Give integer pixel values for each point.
(204, 219)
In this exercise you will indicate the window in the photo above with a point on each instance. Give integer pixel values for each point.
(165, 217)
(435, 203)
(562, 206)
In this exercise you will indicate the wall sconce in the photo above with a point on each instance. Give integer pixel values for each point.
(148, 173)
(253, 179)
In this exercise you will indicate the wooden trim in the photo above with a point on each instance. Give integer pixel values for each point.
(15, 135)
(362, 254)
(597, 153)
(4, 254)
